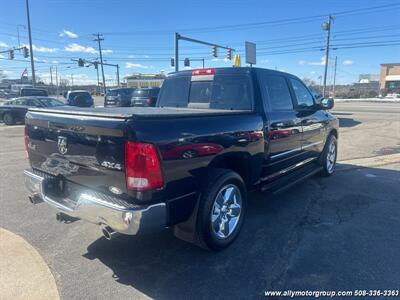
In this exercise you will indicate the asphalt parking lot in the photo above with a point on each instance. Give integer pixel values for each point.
(337, 233)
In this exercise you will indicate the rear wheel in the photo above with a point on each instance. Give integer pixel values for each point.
(8, 119)
(222, 209)
(328, 156)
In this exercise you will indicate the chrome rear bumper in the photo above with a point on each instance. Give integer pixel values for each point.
(91, 206)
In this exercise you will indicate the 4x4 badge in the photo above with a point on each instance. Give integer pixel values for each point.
(62, 145)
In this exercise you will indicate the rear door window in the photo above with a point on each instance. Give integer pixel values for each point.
(278, 93)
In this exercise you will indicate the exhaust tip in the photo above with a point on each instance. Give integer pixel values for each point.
(35, 199)
(109, 233)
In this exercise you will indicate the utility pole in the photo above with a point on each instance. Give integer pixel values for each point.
(30, 43)
(334, 78)
(51, 75)
(98, 40)
(327, 27)
(72, 80)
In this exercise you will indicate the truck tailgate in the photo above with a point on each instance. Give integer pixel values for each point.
(88, 150)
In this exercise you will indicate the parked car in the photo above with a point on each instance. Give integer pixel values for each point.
(13, 111)
(145, 97)
(187, 163)
(79, 98)
(118, 97)
(33, 92)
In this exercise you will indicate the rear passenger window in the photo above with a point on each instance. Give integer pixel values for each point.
(278, 93)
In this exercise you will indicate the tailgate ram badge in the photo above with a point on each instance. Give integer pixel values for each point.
(62, 145)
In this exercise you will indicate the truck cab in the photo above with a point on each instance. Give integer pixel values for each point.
(187, 163)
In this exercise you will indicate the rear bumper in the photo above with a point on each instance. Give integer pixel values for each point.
(97, 208)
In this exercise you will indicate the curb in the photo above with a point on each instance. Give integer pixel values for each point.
(375, 161)
(23, 272)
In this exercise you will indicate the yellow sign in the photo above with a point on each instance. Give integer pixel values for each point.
(236, 61)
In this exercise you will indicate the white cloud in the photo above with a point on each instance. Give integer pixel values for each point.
(129, 65)
(264, 61)
(2, 56)
(74, 47)
(313, 63)
(131, 56)
(348, 62)
(107, 51)
(4, 45)
(55, 62)
(42, 49)
(146, 56)
(69, 34)
(215, 59)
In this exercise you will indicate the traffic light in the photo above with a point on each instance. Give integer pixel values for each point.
(81, 63)
(11, 54)
(214, 51)
(229, 53)
(25, 51)
(172, 62)
(186, 62)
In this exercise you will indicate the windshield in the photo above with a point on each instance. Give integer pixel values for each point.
(223, 92)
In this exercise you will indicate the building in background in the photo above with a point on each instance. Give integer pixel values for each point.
(366, 78)
(389, 80)
(145, 80)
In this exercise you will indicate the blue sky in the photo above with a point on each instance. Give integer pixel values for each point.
(139, 35)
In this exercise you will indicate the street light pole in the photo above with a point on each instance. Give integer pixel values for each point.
(18, 26)
(177, 36)
(327, 27)
(334, 79)
(30, 43)
(118, 75)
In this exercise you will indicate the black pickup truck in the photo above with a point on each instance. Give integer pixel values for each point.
(189, 162)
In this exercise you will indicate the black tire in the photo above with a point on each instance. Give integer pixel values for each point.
(328, 159)
(218, 181)
(8, 119)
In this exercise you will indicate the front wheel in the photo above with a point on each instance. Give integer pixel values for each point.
(8, 119)
(222, 209)
(328, 156)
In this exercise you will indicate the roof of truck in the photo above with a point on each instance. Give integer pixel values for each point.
(229, 70)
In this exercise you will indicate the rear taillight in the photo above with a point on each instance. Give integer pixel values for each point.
(142, 167)
(26, 138)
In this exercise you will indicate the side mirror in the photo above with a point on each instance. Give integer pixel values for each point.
(327, 103)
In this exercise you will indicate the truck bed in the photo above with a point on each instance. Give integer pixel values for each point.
(136, 112)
